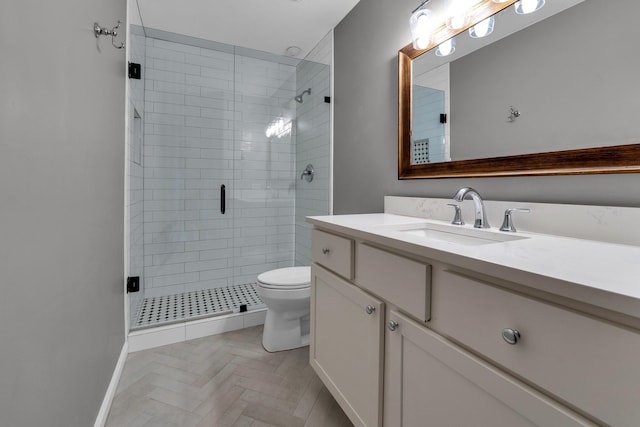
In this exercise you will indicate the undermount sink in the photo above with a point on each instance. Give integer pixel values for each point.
(454, 234)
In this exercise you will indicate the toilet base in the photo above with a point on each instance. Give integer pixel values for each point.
(285, 332)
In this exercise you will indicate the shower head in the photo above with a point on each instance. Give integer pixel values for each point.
(299, 97)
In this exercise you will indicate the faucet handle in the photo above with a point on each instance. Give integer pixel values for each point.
(507, 224)
(457, 218)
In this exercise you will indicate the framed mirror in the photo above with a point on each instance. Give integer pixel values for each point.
(557, 95)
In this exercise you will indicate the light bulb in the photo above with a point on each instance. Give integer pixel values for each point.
(528, 6)
(482, 28)
(421, 26)
(421, 43)
(446, 48)
(457, 14)
(456, 22)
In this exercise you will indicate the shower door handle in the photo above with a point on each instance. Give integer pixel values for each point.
(223, 197)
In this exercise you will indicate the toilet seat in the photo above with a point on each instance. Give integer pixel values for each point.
(286, 278)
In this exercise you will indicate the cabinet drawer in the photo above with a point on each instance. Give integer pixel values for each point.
(589, 363)
(333, 252)
(430, 378)
(403, 282)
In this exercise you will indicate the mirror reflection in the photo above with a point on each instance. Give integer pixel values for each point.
(430, 142)
(570, 79)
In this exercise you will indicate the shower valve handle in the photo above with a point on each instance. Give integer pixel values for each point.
(308, 173)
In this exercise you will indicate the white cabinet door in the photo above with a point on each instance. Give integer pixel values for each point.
(347, 346)
(431, 382)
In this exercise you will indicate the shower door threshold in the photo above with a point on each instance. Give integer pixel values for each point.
(189, 329)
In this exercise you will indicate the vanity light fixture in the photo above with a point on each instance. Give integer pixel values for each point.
(446, 48)
(482, 28)
(421, 25)
(429, 26)
(528, 6)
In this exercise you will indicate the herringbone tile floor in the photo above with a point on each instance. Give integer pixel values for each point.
(222, 380)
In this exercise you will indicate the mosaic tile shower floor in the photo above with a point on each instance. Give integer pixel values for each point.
(157, 311)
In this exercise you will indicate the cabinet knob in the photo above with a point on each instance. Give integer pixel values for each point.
(370, 309)
(511, 336)
(326, 250)
(392, 325)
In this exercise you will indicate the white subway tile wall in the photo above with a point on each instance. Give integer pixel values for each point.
(312, 144)
(206, 113)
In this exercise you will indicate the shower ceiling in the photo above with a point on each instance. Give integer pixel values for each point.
(267, 25)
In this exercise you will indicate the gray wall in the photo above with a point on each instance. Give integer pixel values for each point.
(366, 122)
(61, 217)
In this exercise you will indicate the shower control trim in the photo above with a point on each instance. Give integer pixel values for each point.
(308, 173)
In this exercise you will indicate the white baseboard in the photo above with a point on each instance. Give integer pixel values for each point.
(101, 419)
(156, 337)
(179, 332)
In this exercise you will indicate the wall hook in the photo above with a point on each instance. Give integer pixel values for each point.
(513, 114)
(104, 31)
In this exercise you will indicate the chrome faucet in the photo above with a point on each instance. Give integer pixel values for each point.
(481, 217)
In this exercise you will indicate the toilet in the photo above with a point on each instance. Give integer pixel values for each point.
(286, 292)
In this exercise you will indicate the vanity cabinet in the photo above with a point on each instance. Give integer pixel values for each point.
(405, 341)
(346, 345)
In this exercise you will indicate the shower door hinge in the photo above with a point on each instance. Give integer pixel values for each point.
(133, 284)
(134, 71)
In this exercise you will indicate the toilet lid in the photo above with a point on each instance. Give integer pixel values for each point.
(288, 278)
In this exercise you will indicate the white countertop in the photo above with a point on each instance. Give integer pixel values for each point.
(603, 274)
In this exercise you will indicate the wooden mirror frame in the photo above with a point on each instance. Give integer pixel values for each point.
(599, 160)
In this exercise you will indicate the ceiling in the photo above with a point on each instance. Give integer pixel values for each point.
(266, 25)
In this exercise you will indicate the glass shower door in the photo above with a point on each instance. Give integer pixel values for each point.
(206, 116)
(264, 166)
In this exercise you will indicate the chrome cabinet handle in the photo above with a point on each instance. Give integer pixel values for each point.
(393, 325)
(370, 309)
(326, 250)
(511, 336)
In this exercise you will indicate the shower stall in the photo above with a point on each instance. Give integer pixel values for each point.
(219, 137)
